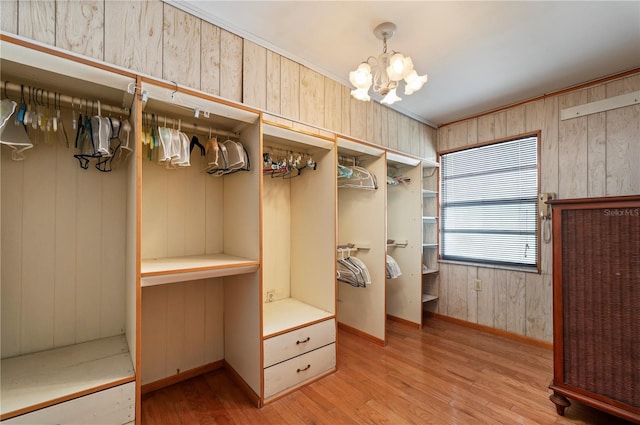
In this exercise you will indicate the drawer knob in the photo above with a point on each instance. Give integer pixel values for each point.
(306, 368)
(303, 341)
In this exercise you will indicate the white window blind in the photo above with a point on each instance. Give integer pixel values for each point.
(489, 204)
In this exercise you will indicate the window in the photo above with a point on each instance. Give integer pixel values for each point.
(489, 204)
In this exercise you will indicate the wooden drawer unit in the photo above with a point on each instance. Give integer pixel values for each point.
(298, 370)
(286, 346)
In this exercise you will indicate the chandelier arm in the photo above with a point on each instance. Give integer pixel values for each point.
(372, 58)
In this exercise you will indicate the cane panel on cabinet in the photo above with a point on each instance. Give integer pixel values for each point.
(596, 296)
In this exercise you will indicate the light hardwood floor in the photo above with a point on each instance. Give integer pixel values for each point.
(444, 374)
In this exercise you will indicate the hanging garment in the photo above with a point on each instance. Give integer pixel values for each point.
(392, 269)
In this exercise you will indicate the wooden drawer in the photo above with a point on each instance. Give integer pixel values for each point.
(282, 376)
(285, 346)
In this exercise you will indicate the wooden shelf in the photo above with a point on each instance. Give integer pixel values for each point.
(430, 245)
(429, 219)
(286, 314)
(428, 297)
(37, 380)
(159, 271)
(430, 271)
(429, 193)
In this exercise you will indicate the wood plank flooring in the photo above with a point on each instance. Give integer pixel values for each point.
(444, 374)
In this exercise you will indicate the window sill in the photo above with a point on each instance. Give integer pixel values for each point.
(492, 266)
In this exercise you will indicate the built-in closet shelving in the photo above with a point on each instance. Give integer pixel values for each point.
(404, 236)
(200, 243)
(430, 225)
(121, 282)
(298, 259)
(362, 233)
(68, 282)
(196, 225)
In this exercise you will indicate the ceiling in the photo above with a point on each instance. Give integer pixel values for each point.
(479, 55)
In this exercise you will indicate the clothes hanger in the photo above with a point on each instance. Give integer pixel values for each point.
(85, 139)
(195, 142)
(223, 161)
(105, 165)
(358, 178)
(353, 272)
(348, 273)
(13, 132)
(125, 149)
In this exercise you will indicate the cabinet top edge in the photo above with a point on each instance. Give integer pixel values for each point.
(632, 199)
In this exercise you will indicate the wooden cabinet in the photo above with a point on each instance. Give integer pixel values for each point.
(298, 252)
(199, 242)
(430, 223)
(172, 268)
(295, 357)
(362, 224)
(404, 236)
(68, 284)
(596, 304)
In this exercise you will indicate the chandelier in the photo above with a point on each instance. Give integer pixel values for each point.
(388, 70)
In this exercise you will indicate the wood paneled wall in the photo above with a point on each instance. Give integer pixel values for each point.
(63, 262)
(157, 39)
(590, 156)
(183, 327)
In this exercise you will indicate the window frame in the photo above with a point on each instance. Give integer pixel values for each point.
(530, 269)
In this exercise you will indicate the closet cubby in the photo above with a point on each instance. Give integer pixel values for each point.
(430, 225)
(298, 259)
(196, 225)
(362, 223)
(404, 234)
(68, 281)
(200, 243)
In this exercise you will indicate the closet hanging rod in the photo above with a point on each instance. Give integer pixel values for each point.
(354, 246)
(54, 97)
(161, 120)
(344, 159)
(277, 150)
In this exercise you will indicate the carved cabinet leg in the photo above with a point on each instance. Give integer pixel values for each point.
(560, 401)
